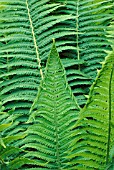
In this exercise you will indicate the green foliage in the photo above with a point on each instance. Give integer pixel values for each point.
(9, 153)
(87, 46)
(26, 30)
(55, 113)
(59, 134)
(110, 32)
(92, 145)
(110, 166)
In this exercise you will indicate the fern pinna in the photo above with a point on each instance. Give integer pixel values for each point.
(91, 147)
(54, 114)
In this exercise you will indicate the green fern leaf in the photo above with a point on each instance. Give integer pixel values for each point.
(54, 114)
(92, 145)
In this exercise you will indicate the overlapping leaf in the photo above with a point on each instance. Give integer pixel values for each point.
(87, 47)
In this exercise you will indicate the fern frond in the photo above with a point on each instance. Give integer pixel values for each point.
(8, 151)
(26, 30)
(96, 122)
(90, 22)
(53, 115)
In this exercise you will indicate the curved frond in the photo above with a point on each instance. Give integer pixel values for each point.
(96, 122)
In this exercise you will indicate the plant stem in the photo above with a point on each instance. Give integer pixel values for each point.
(34, 39)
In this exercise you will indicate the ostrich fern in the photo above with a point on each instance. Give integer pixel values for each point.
(91, 18)
(9, 153)
(26, 30)
(54, 114)
(91, 147)
(60, 136)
